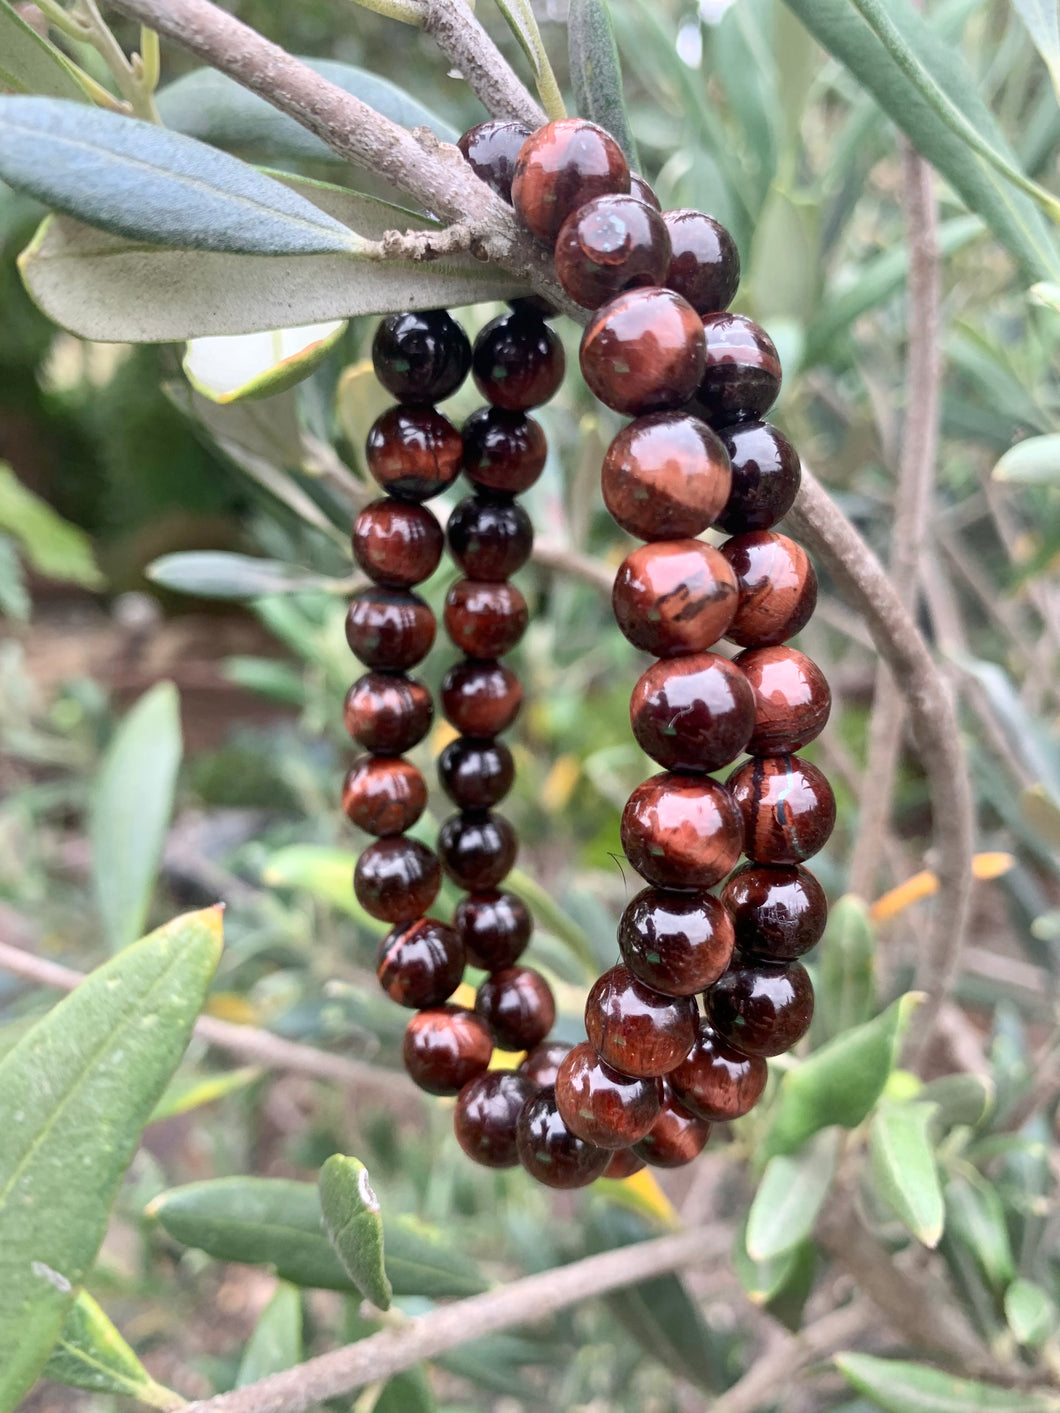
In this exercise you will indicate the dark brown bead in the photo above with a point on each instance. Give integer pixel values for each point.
(390, 628)
(665, 477)
(421, 357)
(384, 795)
(484, 619)
(676, 1137)
(503, 451)
(518, 361)
(761, 1009)
(477, 849)
(644, 352)
(397, 880)
(643, 191)
(777, 588)
(481, 698)
(543, 1062)
(476, 775)
(495, 928)
(490, 539)
(624, 1163)
(741, 381)
(486, 1115)
(491, 148)
(778, 913)
(602, 1106)
(445, 1048)
(675, 597)
(766, 475)
(704, 262)
(414, 452)
(550, 1152)
(676, 943)
(388, 714)
(716, 1082)
(681, 831)
(561, 167)
(787, 808)
(791, 696)
(420, 963)
(610, 244)
(636, 1030)
(396, 543)
(693, 713)
(518, 1007)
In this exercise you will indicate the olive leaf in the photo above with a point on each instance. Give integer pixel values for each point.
(596, 73)
(92, 1355)
(354, 1226)
(30, 64)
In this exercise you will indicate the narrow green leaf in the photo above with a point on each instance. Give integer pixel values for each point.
(187, 1092)
(53, 546)
(130, 810)
(975, 1216)
(75, 1093)
(960, 1099)
(1034, 461)
(276, 1341)
(1031, 1313)
(139, 181)
(790, 1195)
(407, 1392)
(902, 1387)
(29, 63)
(596, 73)
(554, 918)
(92, 1355)
(903, 1168)
(523, 24)
(784, 272)
(354, 1226)
(762, 1281)
(244, 367)
(326, 873)
(846, 992)
(14, 596)
(219, 574)
(1040, 17)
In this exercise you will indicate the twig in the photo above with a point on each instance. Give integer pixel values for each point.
(578, 566)
(469, 48)
(521, 1302)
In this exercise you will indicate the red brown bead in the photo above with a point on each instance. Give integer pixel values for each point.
(676, 943)
(624, 1163)
(476, 775)
(610, 244)
(791, 697)
(777, 912)
(414, 452)
(383, 795)
(676, 1137)
(495, 929)
(390, 628)
(490, 538)
(421, 357)
(761, 1009)
(397, 880)
(420, 963)
(644, 352)
(636, 1030)
(490, 149)
(777, 588)
(477, 849)
(486, 1114)
(681, 831)
(561, 167)
(787, 808)
(388, 713)
(693, 713)
(397, 543)
(716, 1082)
(704, 262)
(518, 361)
(550, 1152)
(445, 1048)
(601, 1105)
(674, 597)
(741, 381)
(481, 698)
(503, 451)
(666, 477)
(643, 191)
(766, 474)
(543, 1062)
(518, 1007)
(484, 619)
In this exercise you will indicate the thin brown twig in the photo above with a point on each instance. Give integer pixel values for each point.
(463, 41)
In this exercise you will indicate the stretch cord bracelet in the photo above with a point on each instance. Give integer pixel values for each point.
(655, 1073)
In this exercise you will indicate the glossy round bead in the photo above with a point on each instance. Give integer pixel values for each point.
(761, 1009)
(716, 1082)
(490, 539)
(476, 775)
(643, 191)
(681, 831)
(486, 1115)
(602, 1106)
(610, 244)
(791, 696)
(388, 713)
(693, 713)
(777, 912)
(397, 543)
(384, 795)
(543, 1062)
(421, 357)
(665, 477)
(397, 880)
(518, 361)
(481, 698)
(704, 262)
(676, 1137)
(550, 1152)
(624, 1163)
(420, 963)
(477, 849)
(494, 927)
(561, 167)
(636, 1030)
(741, 381)
(390, 628)
(503, 451)
(644, 352)
(676, 943)
(445, 1048)
(485, 619)
(787, 808)
(414, 452)
(491, 148)
(766, 474)
(777, 588)
(674, 597)
(517, 1005)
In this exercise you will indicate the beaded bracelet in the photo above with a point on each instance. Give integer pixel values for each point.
(654, 1073)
